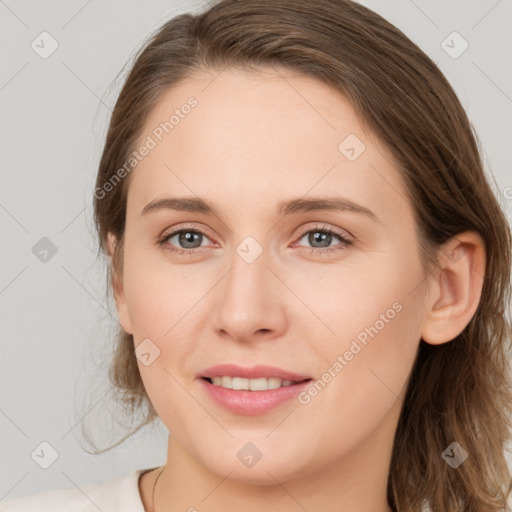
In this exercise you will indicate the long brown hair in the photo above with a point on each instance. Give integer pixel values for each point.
(459, 391)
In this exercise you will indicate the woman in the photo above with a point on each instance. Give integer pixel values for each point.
(310, 269)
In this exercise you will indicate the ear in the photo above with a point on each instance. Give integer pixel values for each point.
(454, 290)
(117, 283)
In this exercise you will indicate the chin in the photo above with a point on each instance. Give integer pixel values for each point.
(265, 471)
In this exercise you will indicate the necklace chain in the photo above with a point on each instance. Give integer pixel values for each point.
(154, 487)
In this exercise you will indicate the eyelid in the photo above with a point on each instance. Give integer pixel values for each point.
(162, 239)
(173, 230)
(343, 233)
(302, 230)
(345, 237)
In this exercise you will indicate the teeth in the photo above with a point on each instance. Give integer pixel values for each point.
(261, 384)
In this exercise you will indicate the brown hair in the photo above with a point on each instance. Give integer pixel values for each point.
(459, 391)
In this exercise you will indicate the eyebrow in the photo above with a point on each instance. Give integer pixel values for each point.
(300, 205)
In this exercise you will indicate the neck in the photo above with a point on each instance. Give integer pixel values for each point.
(355, 481)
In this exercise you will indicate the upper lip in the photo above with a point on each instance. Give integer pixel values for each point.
(255, 372)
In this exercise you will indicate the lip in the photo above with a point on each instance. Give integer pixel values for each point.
(251, 403)
(256, 372)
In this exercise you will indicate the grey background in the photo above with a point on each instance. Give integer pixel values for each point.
(57, 327)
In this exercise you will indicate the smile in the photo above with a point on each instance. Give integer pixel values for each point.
(260, 398)
(260, 384)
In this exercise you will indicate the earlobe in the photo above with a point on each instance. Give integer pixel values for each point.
(117, 283)
(455, 289)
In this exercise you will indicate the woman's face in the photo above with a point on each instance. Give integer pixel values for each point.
(260, 281)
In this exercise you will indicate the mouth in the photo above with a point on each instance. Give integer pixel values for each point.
(251, 390)
(251, 397)
(243, 374)
(246, 384)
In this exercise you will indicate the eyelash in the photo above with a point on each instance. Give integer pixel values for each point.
(345, 242)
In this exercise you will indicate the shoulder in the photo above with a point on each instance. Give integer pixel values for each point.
(121, 493)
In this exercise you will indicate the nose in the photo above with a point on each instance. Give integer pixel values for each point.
(250, 301)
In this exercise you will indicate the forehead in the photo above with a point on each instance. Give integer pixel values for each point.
(264, 133)
(250, 111)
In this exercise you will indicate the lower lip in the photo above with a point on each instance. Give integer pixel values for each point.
(252, 403)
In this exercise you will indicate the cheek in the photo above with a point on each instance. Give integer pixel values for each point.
(360, 385)
(160, 299)
(376, 316)
(158, 294)
(345, 298)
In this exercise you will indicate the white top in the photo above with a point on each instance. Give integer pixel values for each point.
(116, 495)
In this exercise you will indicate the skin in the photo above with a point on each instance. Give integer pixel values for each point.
(253, 140)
